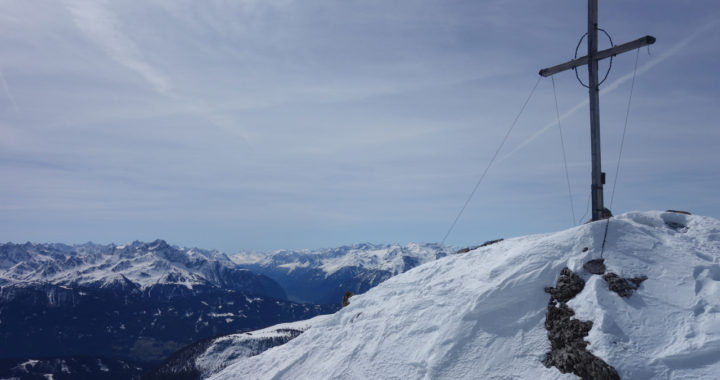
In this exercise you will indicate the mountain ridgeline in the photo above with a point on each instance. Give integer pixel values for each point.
(323, 276)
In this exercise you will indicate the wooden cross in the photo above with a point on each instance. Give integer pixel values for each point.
(591, 60)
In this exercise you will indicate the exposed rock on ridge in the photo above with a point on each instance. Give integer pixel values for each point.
(567, 334)
(624, 287)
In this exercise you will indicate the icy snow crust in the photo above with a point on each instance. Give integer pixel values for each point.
(481, 314)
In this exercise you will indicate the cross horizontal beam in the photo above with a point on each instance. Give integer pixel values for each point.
(613, 51)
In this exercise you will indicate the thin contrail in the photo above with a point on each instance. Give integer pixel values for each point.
(614, 85)
(8, 93)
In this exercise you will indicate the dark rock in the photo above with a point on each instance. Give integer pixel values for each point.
(585, 249)
(467, 249)
(568, 286)
(596, 266)
(491, 242)
(605, 214)
(679, 212)
(583, 364)
(638, 280)
(676, 221)
(568, 347)
(679, 227)
(485, 244)
(564, 330)
(624, 287)
(346, 298)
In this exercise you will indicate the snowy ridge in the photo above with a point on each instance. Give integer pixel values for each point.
(206, 357)
(229, 349)
(392, 258)
(481, 314)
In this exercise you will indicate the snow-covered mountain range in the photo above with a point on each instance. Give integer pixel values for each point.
(140, 265)
(139, 301)
(324, 275)
(530, 307)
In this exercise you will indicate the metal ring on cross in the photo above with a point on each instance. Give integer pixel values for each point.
(611, 58)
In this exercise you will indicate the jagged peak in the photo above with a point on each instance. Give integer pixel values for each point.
(158, 244)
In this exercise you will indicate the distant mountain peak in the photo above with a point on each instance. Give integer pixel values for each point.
(157, 245)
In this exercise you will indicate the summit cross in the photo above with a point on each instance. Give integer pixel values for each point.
(591, 60)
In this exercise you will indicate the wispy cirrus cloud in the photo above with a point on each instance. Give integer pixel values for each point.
(101, 26)
(8, 93)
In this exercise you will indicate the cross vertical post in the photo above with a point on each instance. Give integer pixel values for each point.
(598, 206)
(591, 60)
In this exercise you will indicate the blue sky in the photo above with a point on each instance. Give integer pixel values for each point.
(260, 125)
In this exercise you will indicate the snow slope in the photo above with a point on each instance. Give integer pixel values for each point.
(481, 314)
(206, 357)
(225, 350)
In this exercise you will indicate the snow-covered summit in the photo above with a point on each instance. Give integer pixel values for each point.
(482, 314)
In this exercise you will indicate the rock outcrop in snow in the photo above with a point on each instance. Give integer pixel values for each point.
(568, 351)
(624, 287)
(482, 314)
